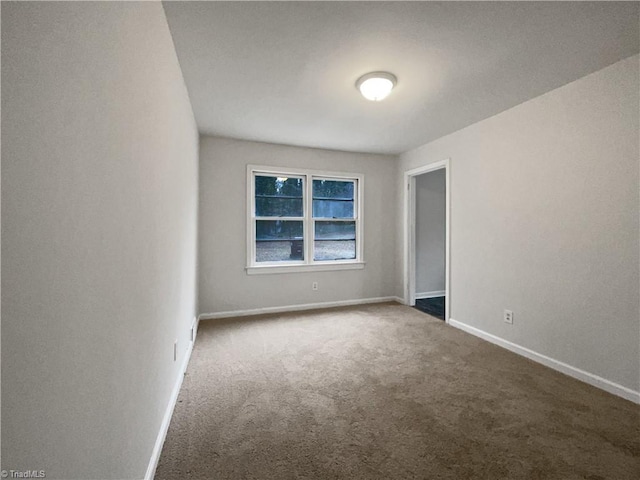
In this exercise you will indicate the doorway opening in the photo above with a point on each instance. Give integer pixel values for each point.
(427, 199)
(434, 306)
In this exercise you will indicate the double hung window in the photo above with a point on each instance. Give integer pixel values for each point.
(303, 219)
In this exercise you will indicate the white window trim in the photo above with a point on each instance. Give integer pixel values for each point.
(308, 265)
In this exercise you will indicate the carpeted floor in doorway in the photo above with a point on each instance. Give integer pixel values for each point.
(385, 392)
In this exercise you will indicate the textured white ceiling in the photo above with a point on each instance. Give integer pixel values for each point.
(285, 72)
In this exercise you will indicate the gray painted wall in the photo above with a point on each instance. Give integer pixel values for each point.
(544, 221)
(99, 212)
(224, 284)
(430, 231)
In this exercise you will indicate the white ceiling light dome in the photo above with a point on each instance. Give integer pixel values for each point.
(376, 86)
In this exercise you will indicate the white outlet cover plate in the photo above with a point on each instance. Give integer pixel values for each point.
(508, 316)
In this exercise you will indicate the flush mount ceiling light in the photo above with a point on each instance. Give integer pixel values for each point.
(375, 86)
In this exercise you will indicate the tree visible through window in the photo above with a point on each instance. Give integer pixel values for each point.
(303, 219)
(281, 198)
(334, 224)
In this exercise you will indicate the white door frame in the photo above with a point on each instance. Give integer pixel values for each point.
(410, 232)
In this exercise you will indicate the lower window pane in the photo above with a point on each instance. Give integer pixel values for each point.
(279, 240)
(334, 241)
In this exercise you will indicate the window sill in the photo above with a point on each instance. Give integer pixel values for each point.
(317, 267)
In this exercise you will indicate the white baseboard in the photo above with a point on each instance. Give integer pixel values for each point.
(166, 420)
(398, 300)
(562, 367)
(296, 308)
(434, 294)
(194, 328)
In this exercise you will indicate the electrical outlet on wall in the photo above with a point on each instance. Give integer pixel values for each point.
(314, 286)
(508, 317)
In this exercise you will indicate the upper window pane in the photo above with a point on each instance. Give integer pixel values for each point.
(333, 199)
(278, 196)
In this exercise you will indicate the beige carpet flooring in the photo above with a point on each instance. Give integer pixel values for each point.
(385, 392)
